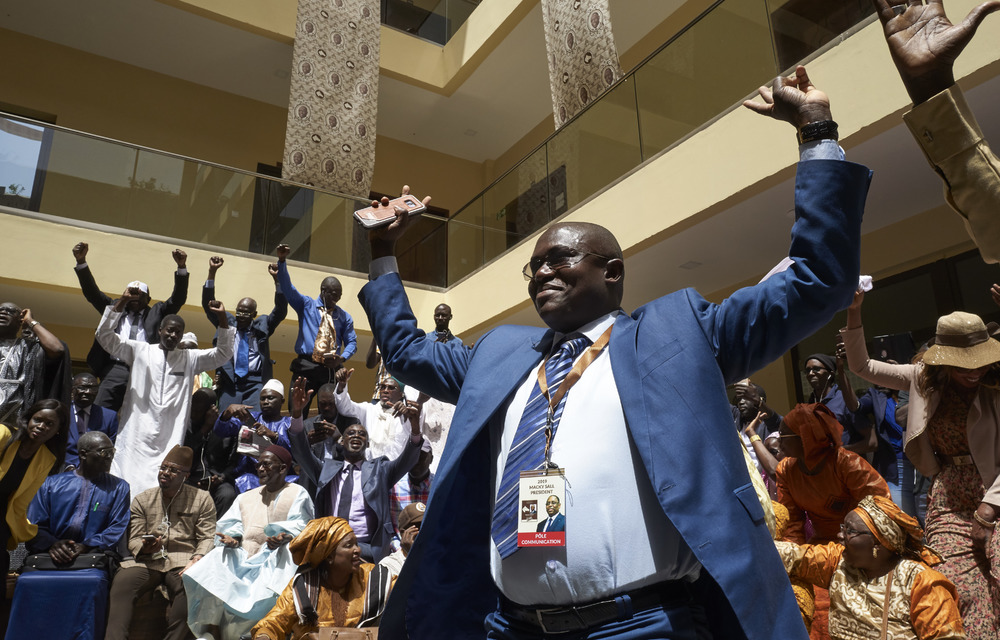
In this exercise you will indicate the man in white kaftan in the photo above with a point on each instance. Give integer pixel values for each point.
(155, 411)
(236, 584)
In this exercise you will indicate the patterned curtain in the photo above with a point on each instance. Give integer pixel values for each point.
(333, 103)
(583, 60)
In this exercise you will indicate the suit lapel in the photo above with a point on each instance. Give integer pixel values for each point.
(625, 366)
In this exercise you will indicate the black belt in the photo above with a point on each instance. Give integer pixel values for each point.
(577, 618)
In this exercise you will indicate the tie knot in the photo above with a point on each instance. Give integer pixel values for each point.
(572, 346)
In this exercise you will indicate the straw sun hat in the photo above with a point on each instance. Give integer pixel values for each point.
(962, 340)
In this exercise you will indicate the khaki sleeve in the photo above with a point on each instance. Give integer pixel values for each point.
(953, 144)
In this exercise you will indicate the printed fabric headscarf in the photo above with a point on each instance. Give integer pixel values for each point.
(895, 530)
(365, 593)
(818, 428)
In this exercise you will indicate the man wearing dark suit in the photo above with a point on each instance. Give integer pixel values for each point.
(556, 521)
(141, 322)
(240, 379)
(655, 398)
(367, 507)
(94, 418)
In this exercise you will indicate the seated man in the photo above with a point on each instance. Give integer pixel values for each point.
(155, 412)
(270, 427)
(241, 378)
(139, 322)
(236, 584)
(85, 416)
(214, 468)
(326, 336)
(409, 524)
(172, 527)
(355, 488)
(81, 511)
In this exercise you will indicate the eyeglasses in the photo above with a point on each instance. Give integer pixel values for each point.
(556, 262)
(172, 470)
(850, 533)
(390, 387)
(106, 452)
(244, 314)
(269, 465)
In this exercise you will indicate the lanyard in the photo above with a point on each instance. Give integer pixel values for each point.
(579, 367)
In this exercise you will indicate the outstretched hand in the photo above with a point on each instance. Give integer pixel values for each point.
(793, 99)
(383, 240)
(300, 397)
(924, 43)
(341, 377)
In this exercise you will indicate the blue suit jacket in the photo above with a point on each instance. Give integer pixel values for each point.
(671, 360)
(260, 331)
(100, 419)
(558, 523)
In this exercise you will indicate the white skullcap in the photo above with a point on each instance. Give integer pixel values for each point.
(274, 385)
(141, 286)
(189, 338)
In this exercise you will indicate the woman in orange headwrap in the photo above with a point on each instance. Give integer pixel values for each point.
(333, 588)
(820, 479)
(879, 577)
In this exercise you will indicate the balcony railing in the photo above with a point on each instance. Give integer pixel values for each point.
(700, 73)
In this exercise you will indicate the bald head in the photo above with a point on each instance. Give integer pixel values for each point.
(93, 440)
(578, 275)
(330, 291)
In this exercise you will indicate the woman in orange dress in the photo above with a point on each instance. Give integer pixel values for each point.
(879, 577)
(821, 480)
(333, 588)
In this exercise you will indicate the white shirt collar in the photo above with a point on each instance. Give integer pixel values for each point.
(593, 329)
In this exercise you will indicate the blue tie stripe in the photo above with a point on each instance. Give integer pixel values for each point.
(527, 451)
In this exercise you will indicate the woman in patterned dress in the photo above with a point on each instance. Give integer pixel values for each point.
(879, 577)
(953, 436)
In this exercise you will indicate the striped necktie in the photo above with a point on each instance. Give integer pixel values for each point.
(527, 451)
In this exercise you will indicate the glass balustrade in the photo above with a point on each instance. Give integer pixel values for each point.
(690, 81)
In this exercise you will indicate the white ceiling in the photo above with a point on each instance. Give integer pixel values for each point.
(502, 100)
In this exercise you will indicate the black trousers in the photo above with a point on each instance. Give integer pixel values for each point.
(132, 583)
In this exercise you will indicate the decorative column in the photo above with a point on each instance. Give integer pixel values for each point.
(583, 60)
(333, 102)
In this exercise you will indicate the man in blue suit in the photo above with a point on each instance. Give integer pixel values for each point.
(664, 529)
(86, 416)
(241, 379)
(556, 521)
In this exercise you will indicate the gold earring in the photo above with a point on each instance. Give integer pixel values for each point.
(875, 552)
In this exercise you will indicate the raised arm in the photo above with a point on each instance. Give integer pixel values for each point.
(924, 44)
(437, 368)
(110, 341)
(302, 451)
(349, 337)
(97, 298)
(893, 376)
(52, 345)
(178, 296)
(292, 294)
(758, 324)
(225, 337)
(208, 291)
(280, 309)
(342, 398)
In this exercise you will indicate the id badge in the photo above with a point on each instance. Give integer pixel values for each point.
(541, 500)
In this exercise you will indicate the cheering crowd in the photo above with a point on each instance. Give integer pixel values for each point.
(614, 475)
